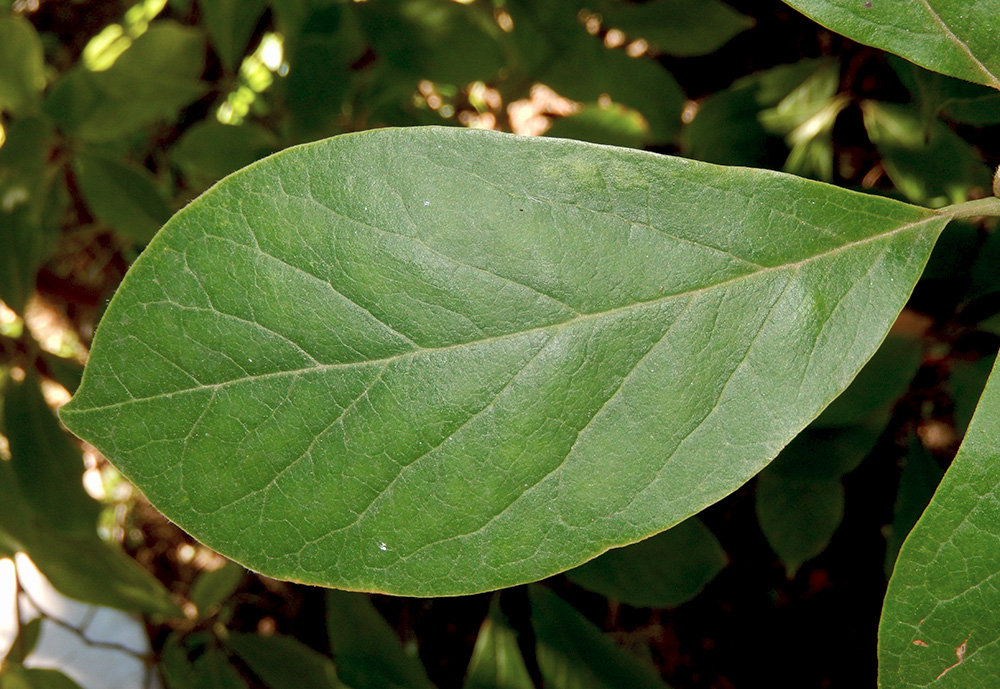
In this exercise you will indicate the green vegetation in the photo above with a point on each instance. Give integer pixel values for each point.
(445, 361)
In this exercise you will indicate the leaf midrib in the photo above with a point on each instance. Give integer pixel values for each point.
(69, 411)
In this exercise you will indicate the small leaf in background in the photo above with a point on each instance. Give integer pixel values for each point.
(367, 652)
(663, 571)
(209, 151)
(683, 28)
(212, 670)
(214, 587)
(496, 661)
(798, 517)
(230, 24)
(805, 117)
(19, 677)
(283, 662)
(800, 497)
(394, 333)
(111, 104)
(175, 664)
(726, 128)
(47, 464)
(574, 654)
(31, 203)
(957, 100)
(941, 35)
(932, 166)
(124, 196)
(587, 70)
(22, 66)
(938, 624)
(917, 482)
(965, 385)
(610, 123)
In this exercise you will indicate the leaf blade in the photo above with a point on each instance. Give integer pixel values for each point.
(504, 308)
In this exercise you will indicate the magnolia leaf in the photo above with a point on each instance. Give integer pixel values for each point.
(942, 35)
(436, 361)
(939, 625)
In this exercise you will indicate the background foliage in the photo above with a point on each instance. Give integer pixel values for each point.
(116, 115)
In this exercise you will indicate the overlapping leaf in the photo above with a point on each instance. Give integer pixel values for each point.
(437, 361)
(947, 36)
(939, 624)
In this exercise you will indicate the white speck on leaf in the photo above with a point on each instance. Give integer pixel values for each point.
(382, 546)
(427, 203)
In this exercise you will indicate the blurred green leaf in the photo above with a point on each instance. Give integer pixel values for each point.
(917, 482)
(151, 81)
(938, 94)
(726, 128)
(496, 661)
(586, 70)
(124, 196)
(230, 24)
(22, 66)
(663, 571)
(965, 384)
(679, 27)
(932, 167)
(941, 35)
(449, 42)
(612, 124)
(209, 151)
(212, 670)
(574, 654)
(939, 626)
(47, 464)
(24, 643)
(805, 117)
(798, 517)
(214, 587)
(31, 204)
(283, 662)
(175, 664)
(19, 677)
(366, 649)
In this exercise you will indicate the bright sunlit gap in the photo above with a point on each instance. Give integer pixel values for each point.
(107, 46)
(255, 76)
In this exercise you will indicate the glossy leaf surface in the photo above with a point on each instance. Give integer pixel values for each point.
(947, 36)
(939, 626)
(437, 361)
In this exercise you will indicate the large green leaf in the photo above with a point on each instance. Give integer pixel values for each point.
(939, 624)
(947, 36)
(437, 361)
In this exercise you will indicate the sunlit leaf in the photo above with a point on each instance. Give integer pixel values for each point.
(931, 165)
(938, 625)
(941, 35)
(437, 361)
(660, 572)
(612, 124)
(151, 81)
